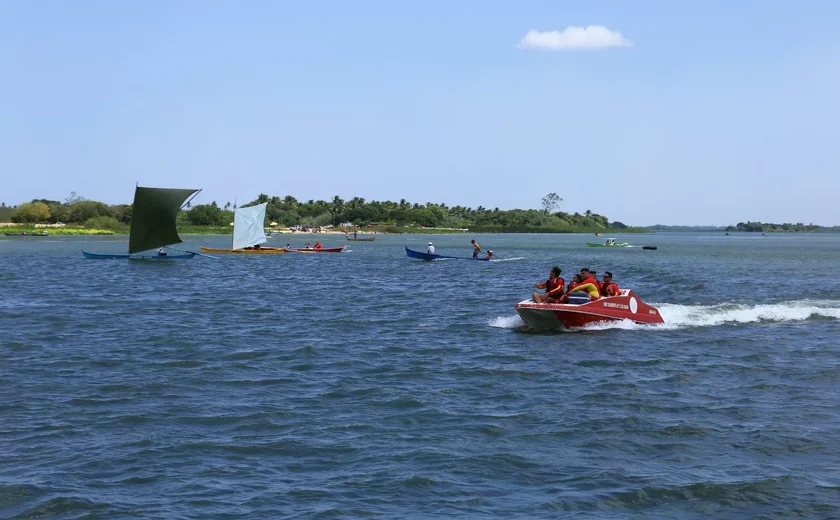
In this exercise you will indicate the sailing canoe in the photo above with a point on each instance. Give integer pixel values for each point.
(153, 225)
(260, 251)
(107, 256)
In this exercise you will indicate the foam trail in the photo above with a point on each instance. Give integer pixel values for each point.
(507, 322)
(686, 316)
(507, 259)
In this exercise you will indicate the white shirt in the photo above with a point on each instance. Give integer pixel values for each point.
(431, 250)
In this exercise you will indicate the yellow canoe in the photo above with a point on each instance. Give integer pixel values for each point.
(260, 251)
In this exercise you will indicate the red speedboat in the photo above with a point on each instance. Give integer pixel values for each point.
(625, 306)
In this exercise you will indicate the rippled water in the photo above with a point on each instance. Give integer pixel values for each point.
(367, 384)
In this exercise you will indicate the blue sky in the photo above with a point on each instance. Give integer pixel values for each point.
(712, 112)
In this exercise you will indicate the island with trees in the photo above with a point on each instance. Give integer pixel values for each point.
(386, 216)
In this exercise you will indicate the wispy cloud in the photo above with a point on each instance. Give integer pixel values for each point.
(573, 38)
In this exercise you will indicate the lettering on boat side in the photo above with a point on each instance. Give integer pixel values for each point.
(616, 306)
(652, 311)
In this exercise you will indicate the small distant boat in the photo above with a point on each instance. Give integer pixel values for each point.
(649, 248)
(625, 306)
(610, 242)
(153, 224)
(25, 234)
(427, 256)
(316, 250)
(360, 239)
(248, 233)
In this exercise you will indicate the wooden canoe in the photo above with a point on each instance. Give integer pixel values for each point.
(260, 251)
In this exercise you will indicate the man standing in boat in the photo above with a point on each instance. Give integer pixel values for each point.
(431, 249)
(476, 248)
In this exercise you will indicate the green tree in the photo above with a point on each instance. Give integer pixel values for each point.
(31, 212)
(86, 209)
(205, 215)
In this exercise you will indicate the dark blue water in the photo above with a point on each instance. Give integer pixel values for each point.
(364, 384)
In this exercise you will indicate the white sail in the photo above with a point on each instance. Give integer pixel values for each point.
(248, 226)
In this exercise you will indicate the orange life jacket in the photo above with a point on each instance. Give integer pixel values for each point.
(554, 288)
(609, 289)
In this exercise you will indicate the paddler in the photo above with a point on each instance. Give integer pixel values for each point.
(476, 248)
(554, 287)
(431, 249)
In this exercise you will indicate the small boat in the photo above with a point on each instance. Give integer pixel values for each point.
(610, 242)
(361, 239)
(25, 234)
(153, 225)
(649, 248)
(428, 256)
(314, 250)
(248, 233)
(625, 306)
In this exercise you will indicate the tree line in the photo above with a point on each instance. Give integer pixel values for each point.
(765, 227)
(288, 211)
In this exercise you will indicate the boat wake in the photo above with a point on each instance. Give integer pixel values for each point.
(689, 316)
(508, 259)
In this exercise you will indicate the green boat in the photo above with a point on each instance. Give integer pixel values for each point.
(610, 242)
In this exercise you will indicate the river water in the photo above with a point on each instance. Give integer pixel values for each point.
(366, 384)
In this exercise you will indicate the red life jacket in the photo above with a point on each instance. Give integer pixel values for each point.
(605, 290)
(554, 288)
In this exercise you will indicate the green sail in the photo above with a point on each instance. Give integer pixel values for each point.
(153, 217)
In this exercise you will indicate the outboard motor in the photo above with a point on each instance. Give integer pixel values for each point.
(578, 297)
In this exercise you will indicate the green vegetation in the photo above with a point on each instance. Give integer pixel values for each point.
(774, 228)
(56, 231)
(395, 217)
(404, 215)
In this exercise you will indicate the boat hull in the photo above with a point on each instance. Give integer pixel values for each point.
(366, 239)
(123, 256)
(593, 244)
(260, 251)
(426, 256)
(625, 306)
(27, 235)
(313, 250)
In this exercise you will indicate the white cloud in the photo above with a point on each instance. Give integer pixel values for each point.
(590, 37)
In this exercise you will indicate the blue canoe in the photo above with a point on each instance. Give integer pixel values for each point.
(426, 256)
(106, 256)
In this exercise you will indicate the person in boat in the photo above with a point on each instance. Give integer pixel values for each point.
(476, 248)
(161, 251)
(489, 254)
(307, 246)
(318, 245)
(588, 285)
(256, 246)
(554, 288)
(431, 249)
(595, 278)
(608, 287)
(355, 233)
(576, 279)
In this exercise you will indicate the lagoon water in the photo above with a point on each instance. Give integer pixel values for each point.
(365, 384)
